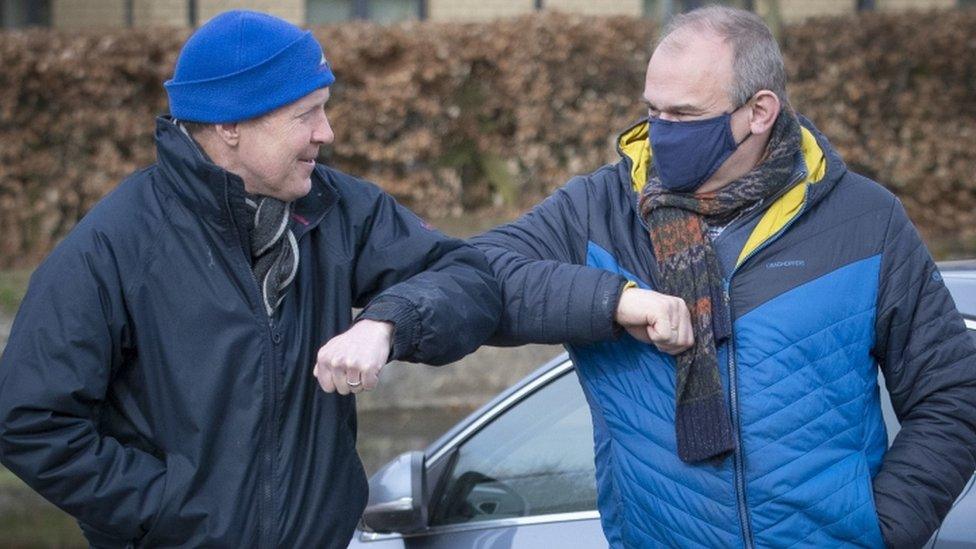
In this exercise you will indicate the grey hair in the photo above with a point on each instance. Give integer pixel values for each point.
(757, 63)
(193, 128)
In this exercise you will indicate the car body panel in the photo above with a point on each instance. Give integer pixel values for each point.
(570, 530)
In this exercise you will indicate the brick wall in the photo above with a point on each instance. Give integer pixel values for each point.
(477, 10)
(160, 13)
(597, 7)
(903, 5)
(111, 13)
(292, 10)
(797, 10)
(88, 13)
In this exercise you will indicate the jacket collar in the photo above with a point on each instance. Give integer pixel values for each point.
(210, 191)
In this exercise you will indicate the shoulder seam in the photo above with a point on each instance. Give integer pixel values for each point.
(156, 234)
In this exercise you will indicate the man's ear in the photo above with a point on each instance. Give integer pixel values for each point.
(765, 108)
(229, 133)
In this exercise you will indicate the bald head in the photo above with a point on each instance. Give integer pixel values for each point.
(753, 57)
(690, 75)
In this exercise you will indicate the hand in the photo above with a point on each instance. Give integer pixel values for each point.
(351, 361)
(658, 319)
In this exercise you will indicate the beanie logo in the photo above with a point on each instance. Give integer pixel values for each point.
(323, 62)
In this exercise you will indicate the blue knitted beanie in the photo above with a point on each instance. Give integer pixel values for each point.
(243, 64)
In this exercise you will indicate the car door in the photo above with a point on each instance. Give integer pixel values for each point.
(521, 476)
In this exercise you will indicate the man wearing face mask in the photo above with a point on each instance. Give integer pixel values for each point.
(761, 284)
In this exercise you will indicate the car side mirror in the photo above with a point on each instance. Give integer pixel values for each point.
(398, 496)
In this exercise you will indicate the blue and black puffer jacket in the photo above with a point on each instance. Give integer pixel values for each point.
(828, 282)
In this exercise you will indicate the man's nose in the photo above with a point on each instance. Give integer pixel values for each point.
(323, 131)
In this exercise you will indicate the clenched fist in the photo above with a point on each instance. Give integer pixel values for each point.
(351, 361)
(658, 319)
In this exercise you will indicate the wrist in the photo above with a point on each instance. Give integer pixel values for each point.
(382, 327)
(619, 315)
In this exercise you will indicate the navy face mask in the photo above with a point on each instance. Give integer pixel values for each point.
(686, 154)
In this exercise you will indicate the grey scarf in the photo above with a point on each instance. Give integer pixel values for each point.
(274, 250)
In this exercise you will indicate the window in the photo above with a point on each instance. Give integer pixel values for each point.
(391, 11)
(534, 459)
(319, 12)
(664, 9)
(25, 13)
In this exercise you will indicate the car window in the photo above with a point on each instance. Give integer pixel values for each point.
(534, 459)
(962, 287)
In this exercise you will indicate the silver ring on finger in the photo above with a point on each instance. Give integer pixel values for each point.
(354, 383)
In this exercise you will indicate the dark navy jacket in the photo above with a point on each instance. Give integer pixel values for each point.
(828, 281)
(144, 390)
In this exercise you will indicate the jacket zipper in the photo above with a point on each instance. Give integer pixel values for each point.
(739, 467)
(265, 524)
(740, 487)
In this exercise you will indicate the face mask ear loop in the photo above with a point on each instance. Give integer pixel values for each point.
(744, 139)
(750, 134)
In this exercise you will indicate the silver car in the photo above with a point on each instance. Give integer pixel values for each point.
(519, 471)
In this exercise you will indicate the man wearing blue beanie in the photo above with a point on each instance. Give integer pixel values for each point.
(166, 381)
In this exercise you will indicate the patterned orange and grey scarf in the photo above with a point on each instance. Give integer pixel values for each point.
(689, 268)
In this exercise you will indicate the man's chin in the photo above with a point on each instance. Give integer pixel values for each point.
(302, 190)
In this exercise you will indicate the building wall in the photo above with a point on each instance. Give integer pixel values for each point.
(111, 13)
(597, 7)
(477, 10)
(794, 11)
(903, 5)
(160, 13)
(291, 10)
(88, 13)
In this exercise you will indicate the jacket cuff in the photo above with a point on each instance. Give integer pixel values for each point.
(405, 319)
(605, 302)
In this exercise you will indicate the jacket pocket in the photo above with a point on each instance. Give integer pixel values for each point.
(873, 537)
(100, 540)
(168, 527)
